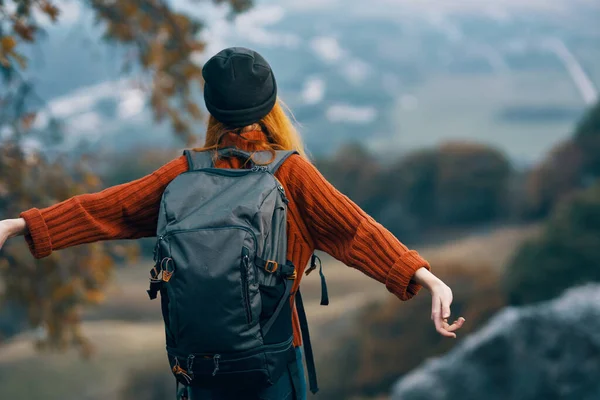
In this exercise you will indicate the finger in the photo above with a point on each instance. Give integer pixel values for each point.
(436, 316)
(435, 308)
(436, 313)
(456, 325)
(442, 331)
(446, 308)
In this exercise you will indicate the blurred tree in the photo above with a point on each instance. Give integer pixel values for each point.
(161, 41)
(412, 183)
(457, 183)
(353, 171)
(587, 137)
(570, 166)
(557, 175)
(454, 184)
(565, 255)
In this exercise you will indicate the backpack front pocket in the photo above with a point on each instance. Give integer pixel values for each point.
(214, 301)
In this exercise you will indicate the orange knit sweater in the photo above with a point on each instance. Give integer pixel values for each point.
(319, 217)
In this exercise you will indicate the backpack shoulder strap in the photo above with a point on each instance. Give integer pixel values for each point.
(308, 352)
(204, 159)
(199, 159)
(280, 157)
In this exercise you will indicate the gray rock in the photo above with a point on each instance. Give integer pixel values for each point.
(546, 351)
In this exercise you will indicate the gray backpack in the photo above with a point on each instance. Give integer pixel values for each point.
(223, 275)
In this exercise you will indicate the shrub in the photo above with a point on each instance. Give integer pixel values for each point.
(566, 254)
(587, 137)
(559, 174)
(570, 166)
(457, 183)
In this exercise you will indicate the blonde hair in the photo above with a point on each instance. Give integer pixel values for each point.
(277, 126)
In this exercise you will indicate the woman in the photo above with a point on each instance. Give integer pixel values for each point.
(241, 95)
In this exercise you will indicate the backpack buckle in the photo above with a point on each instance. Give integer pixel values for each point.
(271, 266)
(166, 272)
(293, 276)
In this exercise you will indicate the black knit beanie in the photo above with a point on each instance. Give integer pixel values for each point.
(239, 87)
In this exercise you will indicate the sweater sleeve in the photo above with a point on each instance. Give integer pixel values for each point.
(341, 228)
(126, 211)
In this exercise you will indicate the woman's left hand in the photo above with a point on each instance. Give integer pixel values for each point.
(441, 299)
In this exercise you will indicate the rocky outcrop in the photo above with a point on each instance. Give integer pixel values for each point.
(546, 351)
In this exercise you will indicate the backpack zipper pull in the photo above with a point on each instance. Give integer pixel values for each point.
(282, 191)
(156, 248)
(216, 360)
(190, 364)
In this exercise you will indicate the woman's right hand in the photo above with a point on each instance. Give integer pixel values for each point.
(441, 299)
(11, 228)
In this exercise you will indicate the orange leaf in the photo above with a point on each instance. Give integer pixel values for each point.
(26, 32)
(94, 296)
(92, 180)
(51, 10)
(7, 44)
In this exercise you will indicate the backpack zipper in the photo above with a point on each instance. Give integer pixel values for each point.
(259, 168)
(275, 347)
(157, 248)
(175, 232)
(245, 271)
(282, 191)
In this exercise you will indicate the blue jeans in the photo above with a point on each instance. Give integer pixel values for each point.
(284, 389)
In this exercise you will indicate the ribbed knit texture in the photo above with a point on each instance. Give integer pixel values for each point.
(319, 217)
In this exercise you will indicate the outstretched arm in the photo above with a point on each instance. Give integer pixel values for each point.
(341, 228)
(126, 211)
(11, 228)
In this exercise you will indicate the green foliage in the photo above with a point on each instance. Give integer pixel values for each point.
(565, 255)
(570, 166)
(457, 183)
(587, 137)
(558, 175)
